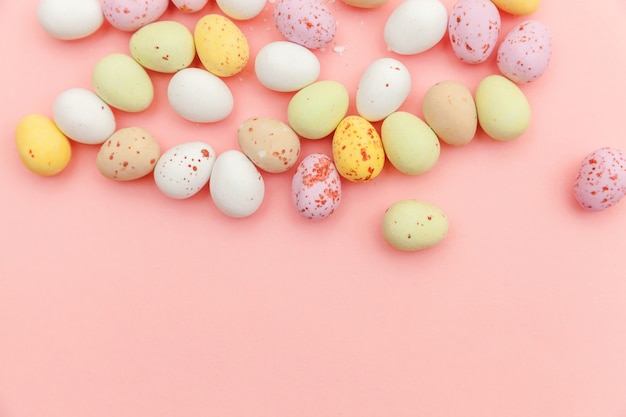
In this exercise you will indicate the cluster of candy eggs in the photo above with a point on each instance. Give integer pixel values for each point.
(317, 109)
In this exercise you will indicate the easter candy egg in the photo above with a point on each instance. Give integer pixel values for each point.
(86, 17)
(130, 15)
(366, 4)
(502, 108)
(286, 66)
(518, 7)
(83, 116)
(183, 170)
(164, 46)
(316, 187)
(42, 147)
(415, 26)
(307, 22)
(601, 179)
(241, 9)
(221, 46)
(524, 54)
(411, 225)
(189, 6)
(130, 153)
(473, 28)
(269, 143)
(316, 110)
(357, 150)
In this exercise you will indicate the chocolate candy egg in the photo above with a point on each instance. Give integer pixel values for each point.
(316, 187)
(190, 6)
(182, 171)
(473, 28)
(130, 15)
(524, 54)
(411, 225)
(601, 179)
(222, 47)
(357, 150)
(518, 7)
(42, 147)
(269, 143)
(307, 22)
(165, 46)
(130, 153)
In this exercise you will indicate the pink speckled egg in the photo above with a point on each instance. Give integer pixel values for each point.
(316, 187)
(601, 180)
(189, 6)
(473, 28)
(130, 15)
(309, 23)
(524, 54)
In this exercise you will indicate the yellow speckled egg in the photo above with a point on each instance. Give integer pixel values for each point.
(411, 225)
(164, 46)
(357, 150)
(128, 154)
(221, 46)
(518, 7)
(42, 147)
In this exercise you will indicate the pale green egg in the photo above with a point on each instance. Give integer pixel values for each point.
(411, 225)
(164, 46)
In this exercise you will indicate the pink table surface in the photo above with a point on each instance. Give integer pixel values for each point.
(117, 301)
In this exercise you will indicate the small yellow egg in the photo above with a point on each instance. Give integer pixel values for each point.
(42, 147)
(357, 150)
(221, 46)
(517, 7)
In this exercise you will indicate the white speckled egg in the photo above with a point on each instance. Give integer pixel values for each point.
(601, 179)
(241, 9)
(190, 6)
(415, 26)
(83, 116)
(307, 22)
(524, 54)
(316, 187)
(269, 143)
(130, 15)
(70, 19)
(473, 28)
(286, 66)
(182, 171)
(237, 187)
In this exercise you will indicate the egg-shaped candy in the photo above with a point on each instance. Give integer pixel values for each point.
(358, 151)
(129, 153)
(83, 116)
(415, 26)
(269, 143)
(517, 7)
(307, 22)
(473, 28)
(85, 18)
(190, 6)
(183, 170)
(42, 147)
(241, 9)
(524, 54)
(165, 46)
(130, 15)
(286, 66)
(411, 225)
(366, 4)
(221, 46)
(316, 187)
(601, 179)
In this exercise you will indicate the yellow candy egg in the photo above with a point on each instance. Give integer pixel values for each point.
(357, 150)
(518, 7)
(42, 147)
(221, 46)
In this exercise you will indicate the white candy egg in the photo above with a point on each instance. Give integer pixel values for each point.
(182, 171)
(286, 66)
(241, 9)
(83, 116)
(415, 26)
(70, 19)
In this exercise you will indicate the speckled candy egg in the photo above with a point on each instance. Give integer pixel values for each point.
(601, 180)
(366, 4)
(415, 26)
(83, 116)
(129, 153)
(357, 150)
(518, 7)
(164, 46)
(524, 54)
(269, 143)
(190, 6)
(182, 171)
(307, 22)
(316, 187)
(130, 15)
(85, 18)
(221, 46)
(411, 225)
(42, 147)
(473, 28)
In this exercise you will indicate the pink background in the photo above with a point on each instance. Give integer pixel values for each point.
(117, 301)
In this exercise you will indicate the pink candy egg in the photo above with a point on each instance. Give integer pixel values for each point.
(306, 22)
(524, 54)
(601, 180)
(189, 6)
(473, 28)
(130, 15)
(316, 187)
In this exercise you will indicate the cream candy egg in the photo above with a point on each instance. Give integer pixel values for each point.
(221, 46)
(164, 46)
(236, 186)
(316, 187)
(524, 54)
(411, 225)
(83, 116)
(190, 6)
(269, 143)
(415, 26)
(41, 146)
(86, 17)
(358, 151)
(129, 153)
(473, 28)
(182, 171)
(601, 179)
(382, 89)
(307, 22)
(199, 96)
(241, 9)
(286, 66)
(130, 15)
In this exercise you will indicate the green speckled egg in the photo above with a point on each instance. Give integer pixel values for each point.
(165, 46)
(411, 225)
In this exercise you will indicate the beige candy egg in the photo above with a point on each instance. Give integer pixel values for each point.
(129, 153)
(269, 143)
(221, 46)
(449, 109)
(164, 46)
(366, 4)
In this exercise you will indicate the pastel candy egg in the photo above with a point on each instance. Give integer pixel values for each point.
(241, 9)
(411, 225)
(83, 116)
(190, 6)
(366, 4)
(199, 96)
(164, 46)
(316, 187)
(307, 22)
(236, 186)
(409, 143)
(473, 28)
(524, 54)
(130, 153)
(269, 143)
(221, 46)
(316, 110)
(601, 179)
(42, 147)
(286, 66)
(122, 83)
(183, 170)
(518, 7)
(357, 149)
(55, 18)
(415, 26)
(130, 15)
(382, 89)
(502, 108)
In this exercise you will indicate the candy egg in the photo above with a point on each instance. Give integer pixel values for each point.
(130, 15)
(42, 147)
(199, 96)
(190, 6)
(415, 26)
(473, 28)
(85, 18)
(83, 116)
(382, 89)
(307, 22)
(221, 46)
(601, 179)
(316, 187)
(237, 187)
(524, 54)
(164, 46)
(130, 153)
(518, 7)
(241, 9)
(366, 4)
(411, 225)
(357, 150)
(269, 143)
(286, 66)
(182, 171)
